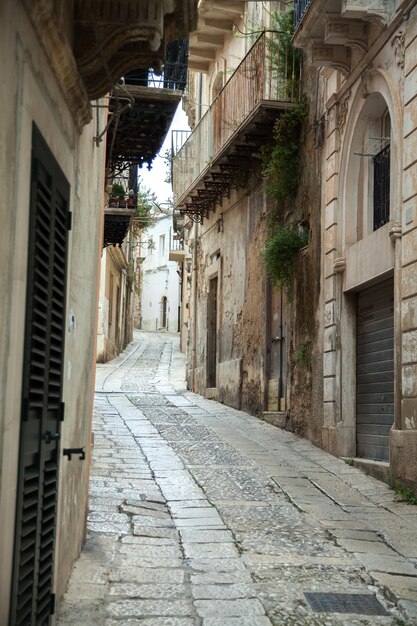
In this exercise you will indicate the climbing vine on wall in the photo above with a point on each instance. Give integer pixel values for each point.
(280, 255)
(280, 165)
(280, 159)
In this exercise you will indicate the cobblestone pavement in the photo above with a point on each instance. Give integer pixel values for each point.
(202, 515)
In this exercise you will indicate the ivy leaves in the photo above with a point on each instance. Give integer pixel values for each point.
(280, 255)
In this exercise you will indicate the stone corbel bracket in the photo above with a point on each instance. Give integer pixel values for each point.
(339, 265)
(346, 32)
(395, 231)
(335, 56)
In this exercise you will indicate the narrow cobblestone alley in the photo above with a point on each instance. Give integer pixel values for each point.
(202, 515)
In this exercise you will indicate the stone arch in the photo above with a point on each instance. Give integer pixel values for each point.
(370, 100)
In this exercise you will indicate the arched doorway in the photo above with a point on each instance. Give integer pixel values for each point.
(164, 312)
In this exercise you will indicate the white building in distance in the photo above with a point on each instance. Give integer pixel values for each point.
(160, 281)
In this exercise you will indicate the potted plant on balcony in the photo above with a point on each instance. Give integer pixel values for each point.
(117, 196)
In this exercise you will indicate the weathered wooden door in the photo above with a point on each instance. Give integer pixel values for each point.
(32, 600)
(375, 370)
(276, 337)
(212, 333)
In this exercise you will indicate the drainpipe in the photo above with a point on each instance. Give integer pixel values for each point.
(194, 289)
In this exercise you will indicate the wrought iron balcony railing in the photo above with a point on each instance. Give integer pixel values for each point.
(267, 78)
(300, 9)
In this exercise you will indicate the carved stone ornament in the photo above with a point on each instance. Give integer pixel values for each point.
(339, 265)
(342, 111)
(398, 43)
(395, 231)
(365, 84)
(110, 39)
(61, 59)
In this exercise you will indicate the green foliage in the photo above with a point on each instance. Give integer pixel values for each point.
(301, 355)
(280, 160)
(285, 60)
(350, 462)
(144, 208)
(406, 493)
(280, 255)
(168, 157)
(117, 189)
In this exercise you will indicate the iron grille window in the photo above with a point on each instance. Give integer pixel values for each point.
(381, 187)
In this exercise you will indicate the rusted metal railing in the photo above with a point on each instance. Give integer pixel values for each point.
(269, 72)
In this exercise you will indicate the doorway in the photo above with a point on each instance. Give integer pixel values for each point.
(164, 311)
(276, 351)
(375, 370)
(212, 333)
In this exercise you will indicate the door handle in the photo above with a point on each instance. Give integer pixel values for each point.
(277, 339)
(70, 451)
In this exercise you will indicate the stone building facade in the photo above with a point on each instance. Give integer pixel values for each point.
(366, 55)
(116, 306)
(337, 364)
(233, 315)
(160, 284)
(52, 171)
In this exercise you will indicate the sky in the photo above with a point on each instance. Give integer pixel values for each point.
(154, 179)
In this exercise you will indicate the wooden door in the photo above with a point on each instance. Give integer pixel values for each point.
(276, 350)
(212, 333)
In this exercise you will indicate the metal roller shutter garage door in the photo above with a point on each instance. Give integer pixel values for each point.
(375, 371)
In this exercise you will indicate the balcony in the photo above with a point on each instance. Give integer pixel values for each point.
(143, 109)
(91, 44)
(176, 249)
(300, 10)
(216, 20)
(117, 218)
(176, 246)
(217, 156)
(330, 28)
(112, 38)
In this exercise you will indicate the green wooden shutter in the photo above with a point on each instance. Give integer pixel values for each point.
(42, 409)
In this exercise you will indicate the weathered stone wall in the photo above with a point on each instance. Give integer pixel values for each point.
(30, 94)
(253, 314)
(233, 254)
(305, 369)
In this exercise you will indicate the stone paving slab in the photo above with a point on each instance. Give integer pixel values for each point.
(237, 621)
(202, 515)
(366, 547)
(152, 621)
(241, 607)
(164, 608)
